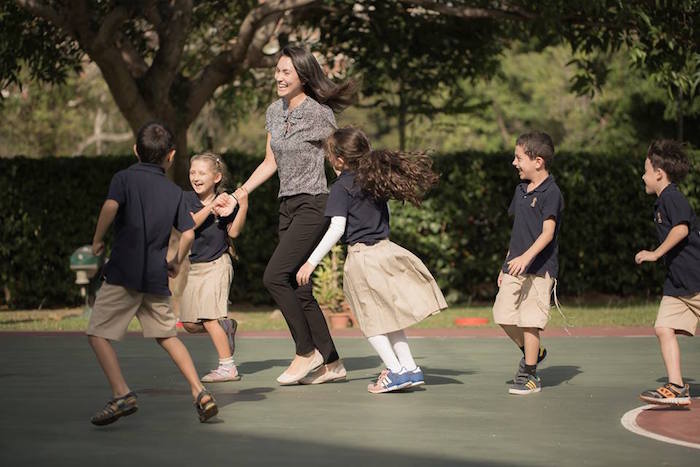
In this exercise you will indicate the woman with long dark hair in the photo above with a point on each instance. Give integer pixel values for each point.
(297, 124)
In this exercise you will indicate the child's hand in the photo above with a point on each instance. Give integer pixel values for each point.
(224, 204)
(98, 247)
(645, 255)
(500, 278)
(173, 268)
(304, 273)
(517, 266)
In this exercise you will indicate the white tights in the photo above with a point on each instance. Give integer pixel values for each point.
(393, 350)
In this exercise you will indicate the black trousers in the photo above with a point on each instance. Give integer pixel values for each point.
(302, 225)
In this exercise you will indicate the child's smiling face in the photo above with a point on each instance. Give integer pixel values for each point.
(203, 177)
(526, 167)
(653, 178)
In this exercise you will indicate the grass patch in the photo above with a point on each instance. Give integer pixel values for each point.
(642, 314)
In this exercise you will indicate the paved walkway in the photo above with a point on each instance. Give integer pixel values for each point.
(51, 385)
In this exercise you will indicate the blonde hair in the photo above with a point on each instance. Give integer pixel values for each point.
(218, 165)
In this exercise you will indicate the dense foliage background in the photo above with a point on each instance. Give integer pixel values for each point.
(50, 207)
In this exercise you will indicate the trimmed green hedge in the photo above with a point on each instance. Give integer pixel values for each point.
(50, 207)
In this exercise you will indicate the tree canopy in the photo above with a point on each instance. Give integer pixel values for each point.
(168, 59)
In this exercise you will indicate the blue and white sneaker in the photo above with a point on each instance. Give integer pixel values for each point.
(389, 381)
(416, 377)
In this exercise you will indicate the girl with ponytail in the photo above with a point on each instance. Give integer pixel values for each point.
(387, 286)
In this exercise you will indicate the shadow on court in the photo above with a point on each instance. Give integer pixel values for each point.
(51, 385)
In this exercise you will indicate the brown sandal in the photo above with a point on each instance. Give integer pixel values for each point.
(115, 409)
(208, 409)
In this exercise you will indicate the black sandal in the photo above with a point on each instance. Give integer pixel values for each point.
(115, 409)
(208, 409)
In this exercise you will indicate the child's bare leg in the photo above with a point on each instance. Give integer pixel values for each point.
(671, 354)
(194, 328)
(532, 345)
(178, 352)
(219, 338)
(515, 333)
(107, 358)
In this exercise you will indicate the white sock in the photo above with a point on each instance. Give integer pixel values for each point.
(382, 346)
(226, 362)
(403, 352)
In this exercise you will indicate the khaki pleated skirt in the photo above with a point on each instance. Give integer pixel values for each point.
(388, 288)
(206, 293)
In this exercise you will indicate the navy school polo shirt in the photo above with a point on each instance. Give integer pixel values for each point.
(149, 206)
(367, 218)
(683, 260)
(210, 238)
(530, 210)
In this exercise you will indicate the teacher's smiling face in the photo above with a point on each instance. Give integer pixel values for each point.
(288, 83)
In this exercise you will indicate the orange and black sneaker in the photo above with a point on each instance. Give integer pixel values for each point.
(668, 394)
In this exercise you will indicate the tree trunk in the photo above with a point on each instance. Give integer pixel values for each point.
(179, 171)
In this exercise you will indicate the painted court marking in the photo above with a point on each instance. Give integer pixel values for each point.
(629, 421)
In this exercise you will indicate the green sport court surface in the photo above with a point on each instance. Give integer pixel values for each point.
(51, 385)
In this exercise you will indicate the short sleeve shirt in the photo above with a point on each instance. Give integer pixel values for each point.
(530, 210)
(296, 139)
(149, 206)
(367, 218)
(683, 260)
(210, 238)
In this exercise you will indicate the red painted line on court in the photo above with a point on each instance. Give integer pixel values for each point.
(448, 332)
(681, 424)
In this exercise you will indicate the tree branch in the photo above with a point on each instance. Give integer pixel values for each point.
(171, 42)
(109, 27)
(466, 12)
(223, 67)
(48, 13)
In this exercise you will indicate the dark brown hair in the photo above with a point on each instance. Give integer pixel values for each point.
(381, 173)
(537, 144)
(669, 156)
(218, 165)
(153, 142)
(316, 84)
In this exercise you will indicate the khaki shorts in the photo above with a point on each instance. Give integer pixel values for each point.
(679, 313)
(115, 306)
(523, 301)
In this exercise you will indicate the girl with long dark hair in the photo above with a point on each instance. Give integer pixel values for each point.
(387, 286)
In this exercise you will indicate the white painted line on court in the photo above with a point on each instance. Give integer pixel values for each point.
(629, 421)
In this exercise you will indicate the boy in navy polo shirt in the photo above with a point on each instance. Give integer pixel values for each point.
(666, 164)
(144, 206)
(526, 278)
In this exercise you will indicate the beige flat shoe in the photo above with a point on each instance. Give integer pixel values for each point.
(326, 374)
(287, 378)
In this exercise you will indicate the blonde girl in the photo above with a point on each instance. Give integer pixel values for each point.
(204, 301)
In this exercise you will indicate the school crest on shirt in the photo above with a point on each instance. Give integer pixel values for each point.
(534, 201)
(658, 217)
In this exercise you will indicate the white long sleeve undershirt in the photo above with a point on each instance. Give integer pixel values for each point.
(333, 234)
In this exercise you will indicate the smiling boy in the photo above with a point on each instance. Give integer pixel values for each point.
(529, 273)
